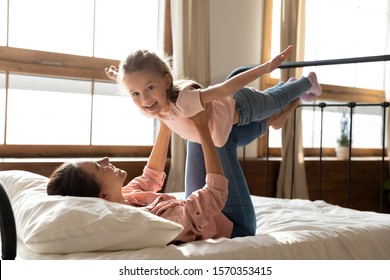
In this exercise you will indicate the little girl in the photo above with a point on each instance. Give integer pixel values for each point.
(148, 79)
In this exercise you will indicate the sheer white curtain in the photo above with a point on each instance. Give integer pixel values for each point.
(292, 168)
(190, 53)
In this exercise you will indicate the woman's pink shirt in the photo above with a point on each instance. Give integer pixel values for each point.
(200, 214)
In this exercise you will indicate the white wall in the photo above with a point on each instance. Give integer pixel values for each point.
(235, 40)
(235, 35)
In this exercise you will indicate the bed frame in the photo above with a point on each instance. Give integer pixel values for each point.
(350, 106)
(8, 228)
(7, 221)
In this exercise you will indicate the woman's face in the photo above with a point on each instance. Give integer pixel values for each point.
(149, 91)
(110, 178)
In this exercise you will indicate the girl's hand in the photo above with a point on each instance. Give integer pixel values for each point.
(276, 61)
(112, 72)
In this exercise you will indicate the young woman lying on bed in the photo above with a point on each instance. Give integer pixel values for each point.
(200, 214)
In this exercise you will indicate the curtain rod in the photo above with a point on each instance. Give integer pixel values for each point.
(335, 61)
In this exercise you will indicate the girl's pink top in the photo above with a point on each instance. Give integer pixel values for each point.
(189, 104)
(200, 214)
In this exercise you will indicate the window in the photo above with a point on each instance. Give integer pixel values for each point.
(3, 22)
(116, 119)
(136, 23)
(356, 28)
(57, 93)
(364, 118)
(367, 120)
(336, 29)
(55, 26)
(62, 113)
(344, 35)
(45, 110)
(101, 28)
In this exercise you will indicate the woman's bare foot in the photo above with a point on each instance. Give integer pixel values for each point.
(277, 121)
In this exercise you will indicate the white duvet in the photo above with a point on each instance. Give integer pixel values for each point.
(286, 229)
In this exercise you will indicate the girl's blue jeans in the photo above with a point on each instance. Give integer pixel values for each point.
(254, 105)
(238, 208)
(254, 108)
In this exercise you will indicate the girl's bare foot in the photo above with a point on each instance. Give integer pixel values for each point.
(277, 121)
(315, 89)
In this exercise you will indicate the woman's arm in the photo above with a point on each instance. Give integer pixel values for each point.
(211, 158)
(232, 85)
(158, 156)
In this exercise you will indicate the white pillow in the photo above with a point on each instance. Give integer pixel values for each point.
(60, 224)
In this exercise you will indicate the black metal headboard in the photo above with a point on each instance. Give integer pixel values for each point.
(8, 228)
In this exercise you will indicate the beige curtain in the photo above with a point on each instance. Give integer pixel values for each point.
(292, 170)
(190, 53)
(387, 87)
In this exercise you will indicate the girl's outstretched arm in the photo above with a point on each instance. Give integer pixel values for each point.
(232, 85)
(158, 156)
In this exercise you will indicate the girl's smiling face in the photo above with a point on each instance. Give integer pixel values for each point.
(149, 91)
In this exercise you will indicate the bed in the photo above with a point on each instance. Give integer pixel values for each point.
(69, 228)
(51, 227)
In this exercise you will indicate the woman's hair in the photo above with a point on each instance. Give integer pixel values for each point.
(146, 60)
(70, 179)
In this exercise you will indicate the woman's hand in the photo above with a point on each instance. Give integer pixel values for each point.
(212, 162)
(202, 118)
(163, 126)
(158, 156)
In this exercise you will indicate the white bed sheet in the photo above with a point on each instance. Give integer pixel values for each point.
(286, 229)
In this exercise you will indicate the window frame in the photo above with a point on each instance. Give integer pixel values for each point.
(329, 92)
(25, 61)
